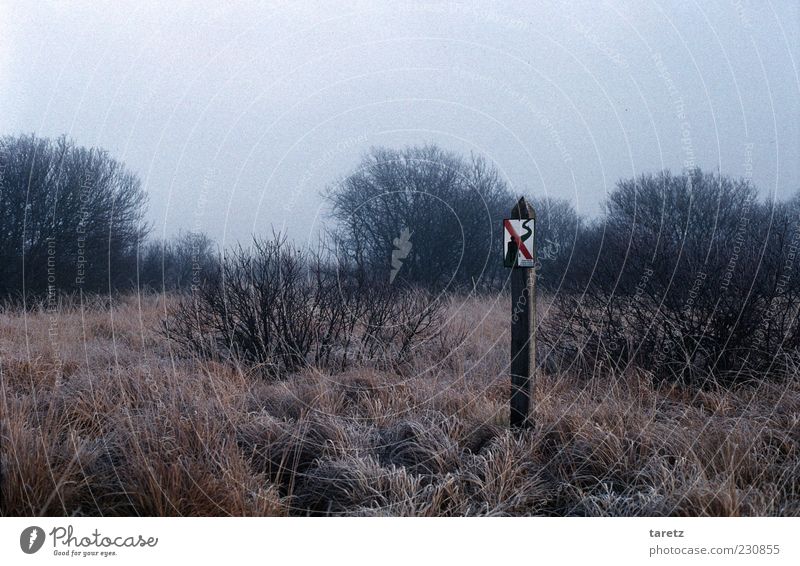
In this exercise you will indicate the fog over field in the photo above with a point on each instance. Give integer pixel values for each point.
(235, 116)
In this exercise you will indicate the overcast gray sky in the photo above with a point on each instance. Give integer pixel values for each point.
(235, 115)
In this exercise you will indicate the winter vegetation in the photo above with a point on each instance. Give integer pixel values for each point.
(170, 377)
(104, 419)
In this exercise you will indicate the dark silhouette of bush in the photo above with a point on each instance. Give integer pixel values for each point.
(71, 218)
(689, 276)
(557, 227)
(177, 264)
(280, 308)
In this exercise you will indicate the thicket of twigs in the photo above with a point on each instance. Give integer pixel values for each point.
(282, 309)
(690, 277)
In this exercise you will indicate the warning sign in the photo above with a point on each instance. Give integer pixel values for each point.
(518, 243)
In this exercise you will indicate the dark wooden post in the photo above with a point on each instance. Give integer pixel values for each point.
(523, 323)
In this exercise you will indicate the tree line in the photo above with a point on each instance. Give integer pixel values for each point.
(72, 220)
(685, 274)
(691, 276)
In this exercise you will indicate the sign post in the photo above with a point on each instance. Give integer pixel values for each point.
(520, 255)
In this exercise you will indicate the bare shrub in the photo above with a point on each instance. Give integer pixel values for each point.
(688, 276)
(280, 308)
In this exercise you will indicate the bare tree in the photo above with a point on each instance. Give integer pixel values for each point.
(71, 218)
(449, 209)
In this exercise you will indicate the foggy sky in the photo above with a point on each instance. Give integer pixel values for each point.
(235, 116)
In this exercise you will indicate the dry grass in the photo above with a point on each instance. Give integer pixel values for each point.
(97, 417)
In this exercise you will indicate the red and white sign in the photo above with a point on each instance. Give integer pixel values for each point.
(518, 238)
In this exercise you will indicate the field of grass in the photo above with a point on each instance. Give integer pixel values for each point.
(99, 417)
